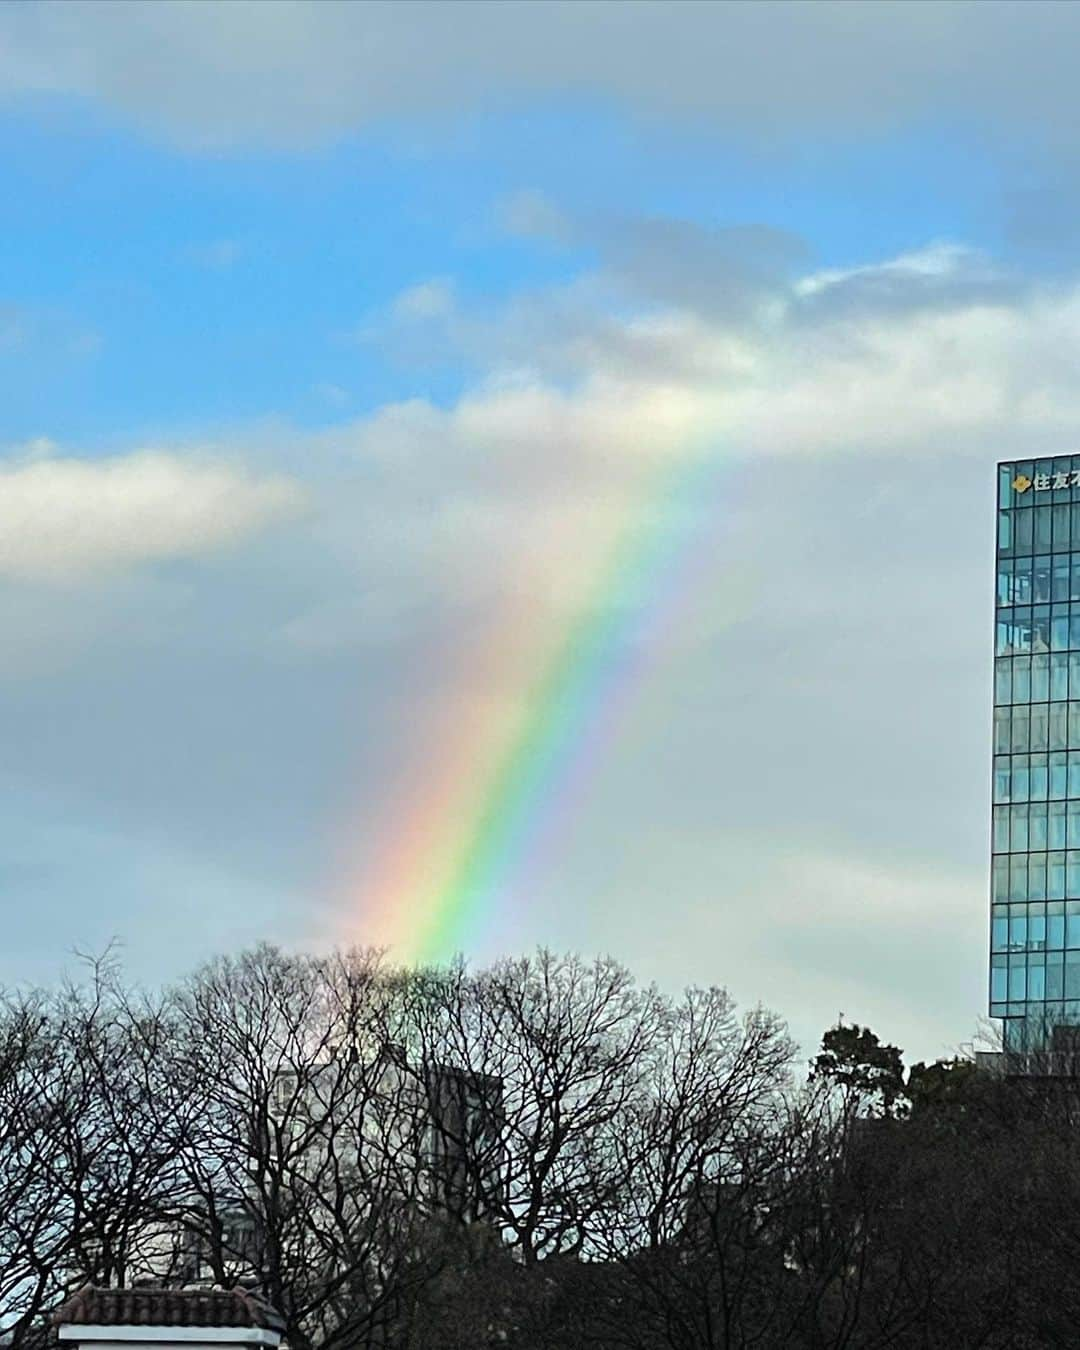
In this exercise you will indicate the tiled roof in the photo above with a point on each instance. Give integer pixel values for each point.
(168, 1308)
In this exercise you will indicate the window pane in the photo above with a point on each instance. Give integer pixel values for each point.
(999, 982)
(1059, 583)
(1001, 829)
(1055, 825)
(1055, 930)
(1005, 582)
(1072, 929)
(1005, 532)
(1059, 631)
(1022, 680)
(1043, 529)
(1023, 530)
(1018, 876)
(1059, 726)
(999, 876)
(1037, 778)
(1036, 887)
(1074, 585)
(1003, 634)
(1003, 682)
(1021, 633)
(1040, 628)
(1036, 928)
(1040, 724)
(1018, 828)
(1018, 979)
(999, 933)
(1036, 979)
(1072, 974)
(1021, 727)
(1058, 780)
(1040, 677)
(1037, 834)
(1002, 776)
(1055, 984)
(1055, 878)
(1002, 729)
(1022, 587)
(1056, 686)
(1060, 528)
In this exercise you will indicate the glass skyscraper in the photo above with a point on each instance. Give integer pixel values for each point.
(1035, 868)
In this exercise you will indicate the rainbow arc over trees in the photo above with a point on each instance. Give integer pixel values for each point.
(496, 784)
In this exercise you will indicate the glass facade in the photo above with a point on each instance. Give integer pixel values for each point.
(1035, 865)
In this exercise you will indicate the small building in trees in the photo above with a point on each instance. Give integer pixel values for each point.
(166, 1319)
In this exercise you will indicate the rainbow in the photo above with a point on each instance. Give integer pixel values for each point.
(504, 781)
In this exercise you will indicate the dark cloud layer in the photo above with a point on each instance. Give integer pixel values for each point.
(290, 73)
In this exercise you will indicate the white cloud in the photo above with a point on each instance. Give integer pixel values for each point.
(72, 519)
(426, 300)
(936, 260)
(939, 343)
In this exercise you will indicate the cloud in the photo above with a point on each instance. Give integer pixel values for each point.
(426, 300)
(212, 75)
(795, 781)
(886, 355)
(724, 270)
(68, 520)
(804, 754)
(934, 262)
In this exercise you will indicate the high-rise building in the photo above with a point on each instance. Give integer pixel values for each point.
(1035, 868)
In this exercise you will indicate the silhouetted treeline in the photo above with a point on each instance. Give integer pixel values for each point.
(541, 1155)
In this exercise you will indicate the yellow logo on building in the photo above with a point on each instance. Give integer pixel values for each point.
(1021, 482)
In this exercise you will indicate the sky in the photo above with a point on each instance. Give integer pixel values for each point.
(524, 468)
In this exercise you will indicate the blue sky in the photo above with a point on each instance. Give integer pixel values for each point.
(331, 335)
(147, 273)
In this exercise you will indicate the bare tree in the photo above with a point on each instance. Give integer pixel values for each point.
(88, 1146)
(562, 1046)
(306, 1172)
(33, 1243)
(706, 1155)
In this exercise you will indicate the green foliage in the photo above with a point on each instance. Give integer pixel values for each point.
(946, 1084)
(869, 1074)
